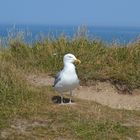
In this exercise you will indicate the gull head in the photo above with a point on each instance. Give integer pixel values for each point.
(70, 58)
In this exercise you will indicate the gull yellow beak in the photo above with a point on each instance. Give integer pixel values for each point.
(77, 61)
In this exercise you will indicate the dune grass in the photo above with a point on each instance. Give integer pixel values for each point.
(27, 112)
(15, 95)
(100, 61)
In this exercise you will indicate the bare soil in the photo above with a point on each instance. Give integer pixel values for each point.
(103, 93)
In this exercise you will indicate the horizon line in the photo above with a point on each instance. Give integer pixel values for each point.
(58, 24)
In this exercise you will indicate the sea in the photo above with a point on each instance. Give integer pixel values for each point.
(32, 33)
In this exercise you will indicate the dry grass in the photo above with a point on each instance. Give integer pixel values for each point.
(119, 64)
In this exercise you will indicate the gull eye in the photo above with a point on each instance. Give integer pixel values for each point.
(70, 57)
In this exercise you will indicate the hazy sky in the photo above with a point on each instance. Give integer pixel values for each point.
(87, 12)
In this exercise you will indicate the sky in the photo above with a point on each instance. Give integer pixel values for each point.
(71, 12)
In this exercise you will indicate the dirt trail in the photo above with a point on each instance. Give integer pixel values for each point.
(102, 92)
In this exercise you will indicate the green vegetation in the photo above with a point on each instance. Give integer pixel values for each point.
(27, 111)
(119, 64)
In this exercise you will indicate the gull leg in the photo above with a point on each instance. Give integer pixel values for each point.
(70, 97)
(62, 98)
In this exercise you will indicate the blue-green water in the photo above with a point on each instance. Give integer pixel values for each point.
(107, 34)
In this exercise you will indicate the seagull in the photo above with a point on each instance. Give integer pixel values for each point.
(66, 80)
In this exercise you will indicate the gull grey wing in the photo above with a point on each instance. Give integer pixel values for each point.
(57, 78)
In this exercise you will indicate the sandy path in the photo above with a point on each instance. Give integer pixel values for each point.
(105, 94)
(102, 92)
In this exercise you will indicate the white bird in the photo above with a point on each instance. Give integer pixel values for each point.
(67, 79)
